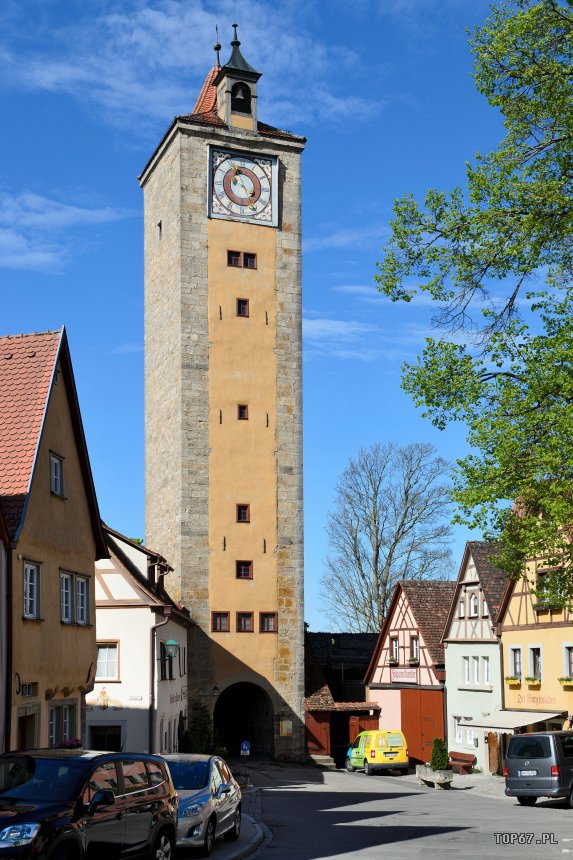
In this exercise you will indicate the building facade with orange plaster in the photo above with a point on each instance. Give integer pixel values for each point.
(54, 538)
(223, 366)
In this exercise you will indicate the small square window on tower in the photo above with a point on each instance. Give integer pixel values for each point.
(220, 622)
(268, 622)
(249, 260)
(242, 307)
(243, 412)
(244, 622)
(234, 259)
(244, 570)
(243, 513)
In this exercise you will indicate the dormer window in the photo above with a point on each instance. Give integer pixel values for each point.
(241, 98)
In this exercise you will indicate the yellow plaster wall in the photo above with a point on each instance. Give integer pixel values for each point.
(523, 626)
(242, 462)
(239, 120)
(57, 534)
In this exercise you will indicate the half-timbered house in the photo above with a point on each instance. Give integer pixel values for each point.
(406, 674)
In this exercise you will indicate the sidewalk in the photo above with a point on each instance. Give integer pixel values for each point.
(474, 784)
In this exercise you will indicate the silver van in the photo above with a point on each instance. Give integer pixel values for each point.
(539, 764)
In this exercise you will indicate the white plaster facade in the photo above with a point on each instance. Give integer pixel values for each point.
(126, 710)
(474, 683)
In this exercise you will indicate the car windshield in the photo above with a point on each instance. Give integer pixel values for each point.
(189, 775)
(40, 779)
(532, 747)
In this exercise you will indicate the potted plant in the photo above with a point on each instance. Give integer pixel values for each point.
(393, 661)
(566, 682)
(532, 681)
(414, 661)
(513, 680)
(438, 772)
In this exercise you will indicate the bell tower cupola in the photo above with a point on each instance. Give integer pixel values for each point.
(236, 84)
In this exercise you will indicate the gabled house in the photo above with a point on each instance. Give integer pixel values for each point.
(139, 701)
(537, 641)
(54, 532)
(406, 674)
(474, 681)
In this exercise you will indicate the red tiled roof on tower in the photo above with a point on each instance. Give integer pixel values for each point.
(26, 368)
(207, 98)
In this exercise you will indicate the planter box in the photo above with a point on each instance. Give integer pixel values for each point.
(437, 778)
(514, 682)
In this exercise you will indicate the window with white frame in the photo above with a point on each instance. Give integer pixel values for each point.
(473, 605)
(74, 598)
(107, 667)
(61, 724)
(56, 474)
(394, 648)
(466, 669)
(485, 667)
(31, 590)
(515, 662)
(66, 606)
(484, 609)
(568, 661)
(459, 730)
(462, 608)
(535, 662)
(414, 648)
(475, 673)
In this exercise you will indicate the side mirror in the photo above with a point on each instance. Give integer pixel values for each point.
(103, 797)
(226, 788)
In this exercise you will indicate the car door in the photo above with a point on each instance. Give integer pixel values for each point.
(216, 781)
(229, 799)
(104, 827)
(355, 759)
(139, 805)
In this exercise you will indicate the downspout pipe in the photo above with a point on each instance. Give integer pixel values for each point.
(166, 611)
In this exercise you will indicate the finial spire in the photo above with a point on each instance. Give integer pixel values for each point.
(235, 43)
(217, 48)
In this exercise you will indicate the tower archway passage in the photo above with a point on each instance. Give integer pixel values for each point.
(244, 712)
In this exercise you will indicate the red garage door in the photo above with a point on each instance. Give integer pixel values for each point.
(422, 721)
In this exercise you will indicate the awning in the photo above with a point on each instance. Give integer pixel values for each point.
(509, 719)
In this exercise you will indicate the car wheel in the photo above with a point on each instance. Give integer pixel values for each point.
(527, 801)
(235, 831)
(348, 766)
(367, 769)
(209, 839)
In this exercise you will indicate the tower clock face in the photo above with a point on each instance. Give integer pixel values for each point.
(243, 187)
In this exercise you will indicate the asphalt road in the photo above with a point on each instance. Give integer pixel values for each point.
(314, 814)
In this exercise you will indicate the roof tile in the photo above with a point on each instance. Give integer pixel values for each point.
(26, 368)
(430, 601)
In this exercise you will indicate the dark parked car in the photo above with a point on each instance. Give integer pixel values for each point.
(539, 764)
(75, 805)
(209, 800)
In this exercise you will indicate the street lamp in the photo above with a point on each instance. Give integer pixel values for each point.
(171, 648)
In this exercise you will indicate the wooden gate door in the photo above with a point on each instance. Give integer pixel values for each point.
(493, 751)
(318, 733)
(353, 728)
(422, 720)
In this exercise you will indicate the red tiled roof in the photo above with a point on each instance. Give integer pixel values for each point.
(26, 367)
(207, 98)
(430, 601)
(493, 580)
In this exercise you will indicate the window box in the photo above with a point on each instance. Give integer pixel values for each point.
(543, 606)
(532, 681)
(566, 682)
(393, 661)
(413, 661)
(513, 680)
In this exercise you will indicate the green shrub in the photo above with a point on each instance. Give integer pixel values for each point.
(440, 759)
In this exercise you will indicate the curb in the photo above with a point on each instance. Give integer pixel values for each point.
(254, 842)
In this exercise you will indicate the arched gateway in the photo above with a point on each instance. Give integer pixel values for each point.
(244, 712)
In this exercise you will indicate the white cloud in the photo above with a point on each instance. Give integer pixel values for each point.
(31, 224)
(19, 252)
(137, 61)
(127, 349)
(345, 237)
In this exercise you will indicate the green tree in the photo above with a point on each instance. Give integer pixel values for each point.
(497, 258)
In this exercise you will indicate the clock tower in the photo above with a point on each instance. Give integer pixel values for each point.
(223, 404)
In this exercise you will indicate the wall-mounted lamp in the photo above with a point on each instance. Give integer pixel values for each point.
(171, 648)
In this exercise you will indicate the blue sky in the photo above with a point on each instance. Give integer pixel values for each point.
(383, 91)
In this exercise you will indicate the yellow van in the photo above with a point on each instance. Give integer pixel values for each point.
(383, 749)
